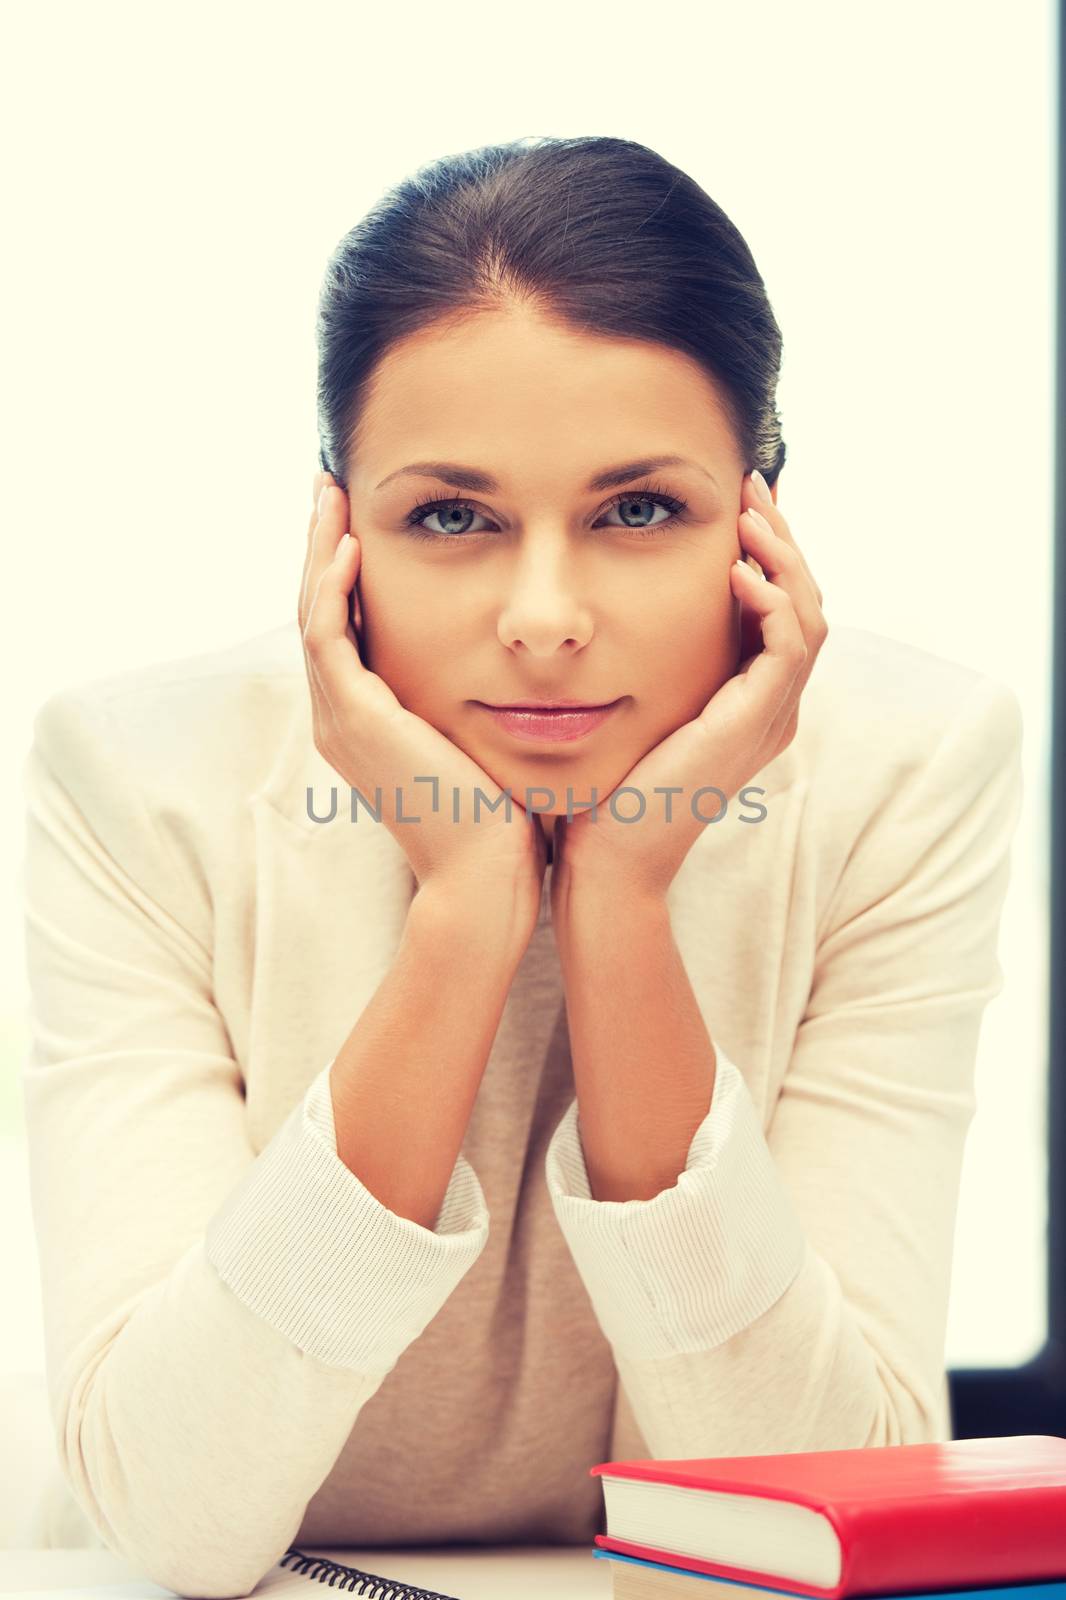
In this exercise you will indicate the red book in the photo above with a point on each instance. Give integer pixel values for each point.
(891, 1519)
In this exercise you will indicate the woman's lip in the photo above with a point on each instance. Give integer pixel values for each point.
(550, 705)
(564, 723)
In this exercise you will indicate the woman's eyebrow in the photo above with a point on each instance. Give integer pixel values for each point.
(478, 482)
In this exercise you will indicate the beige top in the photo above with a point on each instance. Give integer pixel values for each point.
(246, 1350)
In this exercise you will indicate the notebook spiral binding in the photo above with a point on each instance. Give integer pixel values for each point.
(338, 1576)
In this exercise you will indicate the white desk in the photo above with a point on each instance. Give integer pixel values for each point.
(511, 1573)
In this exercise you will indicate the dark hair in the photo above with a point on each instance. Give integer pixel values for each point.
(600, 234)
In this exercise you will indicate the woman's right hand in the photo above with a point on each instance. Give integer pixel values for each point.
(371, 740)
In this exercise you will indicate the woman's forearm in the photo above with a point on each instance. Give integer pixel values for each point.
(644, 1064)
(404, 1082)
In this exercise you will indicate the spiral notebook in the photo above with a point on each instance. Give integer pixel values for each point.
(289, 1577)
(281, 1580)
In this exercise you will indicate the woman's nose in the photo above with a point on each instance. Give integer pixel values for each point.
(543, 608)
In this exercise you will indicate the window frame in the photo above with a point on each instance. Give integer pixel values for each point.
(990, 1402)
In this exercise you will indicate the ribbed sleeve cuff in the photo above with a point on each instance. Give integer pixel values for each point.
(306, 1245)
(692, 1266)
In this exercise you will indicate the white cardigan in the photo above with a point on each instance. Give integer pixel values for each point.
(246, 1349)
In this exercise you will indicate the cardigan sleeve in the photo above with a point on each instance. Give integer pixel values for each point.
(215, 1319)
(790, 1291)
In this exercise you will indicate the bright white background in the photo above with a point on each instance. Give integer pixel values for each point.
(176, 178)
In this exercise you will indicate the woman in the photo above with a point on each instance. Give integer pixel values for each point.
(703, 1055)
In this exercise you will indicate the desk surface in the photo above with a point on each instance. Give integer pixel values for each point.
(512, 1573)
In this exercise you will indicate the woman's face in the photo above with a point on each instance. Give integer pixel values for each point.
(536, 585)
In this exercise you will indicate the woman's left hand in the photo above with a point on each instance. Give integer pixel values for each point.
(745, 724)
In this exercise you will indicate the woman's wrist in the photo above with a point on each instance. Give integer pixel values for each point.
(583, 901)
(497, 919)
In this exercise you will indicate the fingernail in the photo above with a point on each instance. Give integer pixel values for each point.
(760, 486)
(323, 497)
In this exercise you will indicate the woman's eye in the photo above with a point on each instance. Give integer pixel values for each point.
(454, 519)
(639, 507)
